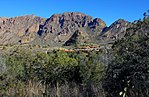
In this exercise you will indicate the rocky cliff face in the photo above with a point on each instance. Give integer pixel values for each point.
(19, 29)
(59, 29)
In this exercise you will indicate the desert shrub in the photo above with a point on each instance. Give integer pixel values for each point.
(36, 73)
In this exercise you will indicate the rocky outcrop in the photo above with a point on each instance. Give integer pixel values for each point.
(77, 38)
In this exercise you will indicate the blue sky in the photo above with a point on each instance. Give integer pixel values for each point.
(108, 10)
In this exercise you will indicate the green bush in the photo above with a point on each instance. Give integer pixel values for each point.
(26, 68)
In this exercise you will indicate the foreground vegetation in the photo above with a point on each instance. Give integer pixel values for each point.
(54, 73)
(122, 71)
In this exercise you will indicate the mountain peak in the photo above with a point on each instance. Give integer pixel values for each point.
(116, 30)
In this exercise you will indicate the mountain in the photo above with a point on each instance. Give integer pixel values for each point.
(115, 31)
(60, 29)
(19, 29)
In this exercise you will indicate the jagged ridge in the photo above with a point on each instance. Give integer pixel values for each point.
(56, 30)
